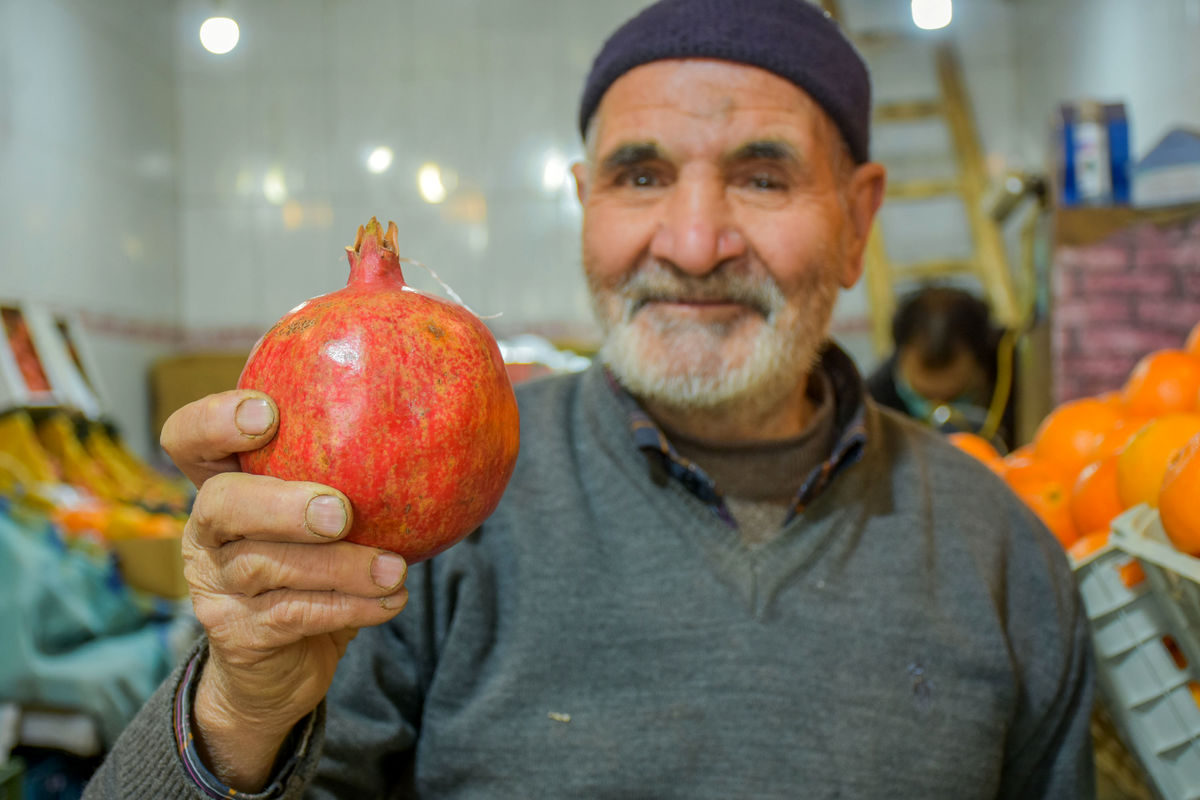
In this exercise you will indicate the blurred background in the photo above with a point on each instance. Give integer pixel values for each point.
(177, 174)
(176, 200)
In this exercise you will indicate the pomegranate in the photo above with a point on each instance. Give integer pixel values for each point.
(395, 397)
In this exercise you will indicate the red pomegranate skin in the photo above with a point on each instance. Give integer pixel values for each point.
(397, 398)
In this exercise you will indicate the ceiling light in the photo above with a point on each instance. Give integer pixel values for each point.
(274, 187)
(429, 183)
(219, 35)
(931, 14)
(554, 173)
(380, 159)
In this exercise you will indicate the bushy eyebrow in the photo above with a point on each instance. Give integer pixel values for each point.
(629, 155)
(634, 153)
(764, 150)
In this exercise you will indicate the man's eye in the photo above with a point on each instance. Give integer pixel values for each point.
(764, 182)
(638, 178)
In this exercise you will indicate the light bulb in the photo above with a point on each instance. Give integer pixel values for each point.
(274, 187)
(554, 172)
(932, 14)
(380, 159)
(429, 183)
(219, 35)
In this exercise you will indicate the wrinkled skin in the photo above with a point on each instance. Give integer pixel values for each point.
(279, 595)
(281, 601)
(720, 218)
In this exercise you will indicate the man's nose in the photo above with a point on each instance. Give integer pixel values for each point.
(696, 228)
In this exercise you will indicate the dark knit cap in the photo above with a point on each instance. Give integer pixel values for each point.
(794, 39)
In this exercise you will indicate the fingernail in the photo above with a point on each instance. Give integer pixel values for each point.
(394, 601)
(253, 416)
(388, 570)
(325, 515)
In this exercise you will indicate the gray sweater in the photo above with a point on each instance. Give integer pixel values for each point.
(915, 633)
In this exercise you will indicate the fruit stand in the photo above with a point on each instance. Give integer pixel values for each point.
(90, 567)
(1142, 598)
(1115, 477)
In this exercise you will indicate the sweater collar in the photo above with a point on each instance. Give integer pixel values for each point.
(666, 464)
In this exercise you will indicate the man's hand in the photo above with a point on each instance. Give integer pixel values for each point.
(279, 595)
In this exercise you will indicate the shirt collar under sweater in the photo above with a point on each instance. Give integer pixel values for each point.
(666, 463)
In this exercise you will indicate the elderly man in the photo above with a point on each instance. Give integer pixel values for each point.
(718, 570)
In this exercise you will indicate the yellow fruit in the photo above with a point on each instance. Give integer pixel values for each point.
(57, 435)
(19, 440)
(1179, 498)
(1142, 463)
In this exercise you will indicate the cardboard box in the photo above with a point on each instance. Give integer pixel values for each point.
(153, 564)
(11, 771)
(177, 381)
(1170, 173)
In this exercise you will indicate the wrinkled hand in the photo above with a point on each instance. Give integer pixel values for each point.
(277, 592)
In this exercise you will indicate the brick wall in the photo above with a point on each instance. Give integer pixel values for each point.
(1134, 291)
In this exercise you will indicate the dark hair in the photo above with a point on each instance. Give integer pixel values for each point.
(941, 320)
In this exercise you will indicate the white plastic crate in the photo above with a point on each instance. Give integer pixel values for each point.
(45, 360)
(23, 377)
(1142, 599)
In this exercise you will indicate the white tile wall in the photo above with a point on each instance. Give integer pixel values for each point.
(132, 162)
(88, 175)
(488, 91)
(1144, 54)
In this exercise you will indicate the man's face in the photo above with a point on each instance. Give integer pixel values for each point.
(717, 229)
(961, 379)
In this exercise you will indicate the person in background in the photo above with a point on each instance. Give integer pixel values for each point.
(719, 570)
(945, 369)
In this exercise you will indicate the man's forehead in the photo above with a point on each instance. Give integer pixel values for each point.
(721, 97)
(705, 87)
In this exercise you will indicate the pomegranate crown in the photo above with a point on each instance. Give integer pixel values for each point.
(375, 255)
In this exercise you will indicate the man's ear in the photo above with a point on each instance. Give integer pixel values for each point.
(864, 195)
(580, 171)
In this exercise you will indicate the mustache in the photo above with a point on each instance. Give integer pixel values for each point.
(659, 283)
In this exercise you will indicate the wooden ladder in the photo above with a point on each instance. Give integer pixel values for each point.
(988, 260)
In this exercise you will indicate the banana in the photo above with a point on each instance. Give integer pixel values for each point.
(160, 490)
(105, 453)
(19, 440)
(57, 434)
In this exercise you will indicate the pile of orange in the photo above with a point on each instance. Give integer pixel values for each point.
(1094, 457)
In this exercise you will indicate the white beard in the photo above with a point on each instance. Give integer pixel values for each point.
(691, 366)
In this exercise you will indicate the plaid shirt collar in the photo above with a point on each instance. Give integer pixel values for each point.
(665, 463)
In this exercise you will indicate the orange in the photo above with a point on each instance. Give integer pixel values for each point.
(1095, 499)
(1175, 651)
(1118, 436)
(1142, 463)
(1163, 382)
(1178, 498)
(1041, 486)
(1022, 455)
(1022, 470)
(1086, 545)
(1132, 574)
(979, 447)
(1192, 345)
(1071, 433)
